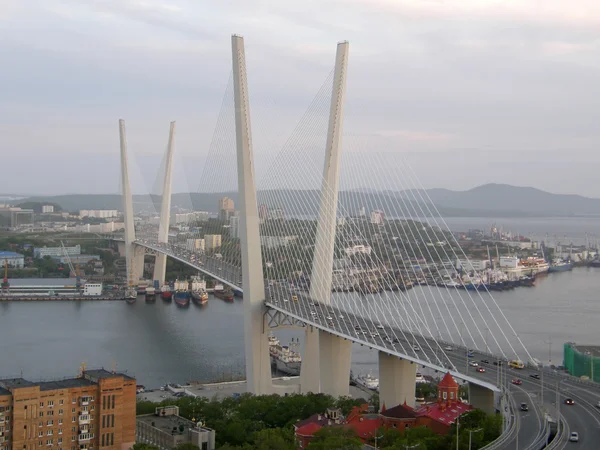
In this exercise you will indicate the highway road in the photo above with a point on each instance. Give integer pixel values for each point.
(388, 333)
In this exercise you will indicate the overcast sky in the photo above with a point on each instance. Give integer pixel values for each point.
(467, 91)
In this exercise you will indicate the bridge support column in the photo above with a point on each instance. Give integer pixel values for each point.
(482, 398)
(309, 370)
(137, 263)
(258, 367)
(397, 381)
(160, 262)
(335, 355)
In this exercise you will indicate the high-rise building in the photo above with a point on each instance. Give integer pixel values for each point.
(226, 208)
(234, 227)
(46, 209)
(212, 242)
(99, 213)
(377, 217)
(93, 411)
(263, 212)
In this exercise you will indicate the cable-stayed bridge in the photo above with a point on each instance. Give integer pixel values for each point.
(374, 265)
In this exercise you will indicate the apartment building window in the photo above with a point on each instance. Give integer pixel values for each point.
(92, 408)
(103, 423)
(50, 423)
(73, 430)
(60, 421)
(112, 416)
(50, 403)
(60, 440)
(49, 442)
(41, 413)
(61, 402)
(41, 404)
(72, 410)
(60, 431)
(49, 433)
(102, 445)
(73, 438)
(50, 413)
(41, 434)
(41, 424)
(60, 412)
(112, 438)
(73, 419)
(113, 402)
(104, 402)
(91, 426)
(41, 443)
(74, 400)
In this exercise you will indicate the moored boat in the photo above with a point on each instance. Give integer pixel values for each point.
(198, 291)
(182, 294)
(560, 265)
(224, 293)
(150, 294)
(165, 292)
(130, 295)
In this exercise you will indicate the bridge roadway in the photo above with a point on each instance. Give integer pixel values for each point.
(583, 417)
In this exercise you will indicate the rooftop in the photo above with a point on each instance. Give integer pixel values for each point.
(166, 423)
(593, 350)
(441, 413)
(64, 384)
(4, 391)
(10, 255)
(98, 374)
(10, 383)
(399, 412)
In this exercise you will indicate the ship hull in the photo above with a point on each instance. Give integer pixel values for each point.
(289, 368)
(182, 298)
(560, 268)
(199, 298)
(224, 295)
(166, 295)
(150, 297)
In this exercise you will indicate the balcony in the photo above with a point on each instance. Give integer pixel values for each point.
(84, 419)
(84, 437)
(84, 401)
(2, 420)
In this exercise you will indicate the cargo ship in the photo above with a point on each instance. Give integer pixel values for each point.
(198, 291)
(182, 293)
(285, 359)
(141, 288)
(150, 294)
(223, 293)
(560, 265)
(165, 292)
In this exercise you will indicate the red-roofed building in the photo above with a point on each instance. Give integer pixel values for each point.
(400, 417)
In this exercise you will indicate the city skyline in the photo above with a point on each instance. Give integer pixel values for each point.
(475, 88)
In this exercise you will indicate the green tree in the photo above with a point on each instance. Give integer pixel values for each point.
(140, 446)
(187, 446)
(339, 438)
(275, 439)
(346, 403)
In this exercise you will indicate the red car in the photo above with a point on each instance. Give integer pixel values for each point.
(517, 382)
(480, 369)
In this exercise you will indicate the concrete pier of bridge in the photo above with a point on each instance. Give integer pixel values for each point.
(482, 398)
(396, 381)
(258, 364)
(160, 262)
(326, 360)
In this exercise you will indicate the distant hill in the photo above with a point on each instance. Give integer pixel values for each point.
(490, 200)
(515, 201)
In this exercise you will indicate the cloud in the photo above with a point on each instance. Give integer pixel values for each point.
(424, 76)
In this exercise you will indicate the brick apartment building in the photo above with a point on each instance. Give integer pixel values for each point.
(95, 411)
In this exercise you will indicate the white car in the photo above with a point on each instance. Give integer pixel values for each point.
(574, 437)
(416, 348)
(473, 364)
(380, 326)
(448, 348)
(329, 318)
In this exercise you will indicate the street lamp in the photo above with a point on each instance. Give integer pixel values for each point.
(471, 433)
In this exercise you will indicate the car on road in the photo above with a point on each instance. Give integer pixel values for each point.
(380, 327)
(535, 375)
(473, 364)
(329, 318)
(498, 363)
(485, 361)
(574, 436)
(448, 348)
(480, 370)
(598, 405)
(516, 381)
(357, 327)
(569, 401)
(416, 348)
(524, 407)
(295, 298)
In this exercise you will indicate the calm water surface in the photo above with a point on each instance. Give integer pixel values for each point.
(160, 342)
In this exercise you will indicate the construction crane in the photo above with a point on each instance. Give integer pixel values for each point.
(71, 268)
